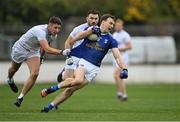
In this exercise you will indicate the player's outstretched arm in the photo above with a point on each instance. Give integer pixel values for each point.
(118, 58)
(120, 62)
(45, 46)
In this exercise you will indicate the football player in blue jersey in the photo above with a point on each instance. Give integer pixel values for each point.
(92, 53)
(92, 19)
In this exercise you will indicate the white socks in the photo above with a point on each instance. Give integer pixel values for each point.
(21, 96)
(122, 95)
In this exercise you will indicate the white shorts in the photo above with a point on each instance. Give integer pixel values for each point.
(75, 63)
(91, 69)
(20, 54)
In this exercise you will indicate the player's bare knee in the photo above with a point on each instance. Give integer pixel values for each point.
(34, 74)
(79, 81)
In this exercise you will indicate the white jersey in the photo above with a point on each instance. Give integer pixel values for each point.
(76, 30)
(122, 38)
(30, 40)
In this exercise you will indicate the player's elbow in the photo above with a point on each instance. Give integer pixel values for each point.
(69, 44)
(130, 46)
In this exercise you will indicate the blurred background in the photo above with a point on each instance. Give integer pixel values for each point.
(153, 24)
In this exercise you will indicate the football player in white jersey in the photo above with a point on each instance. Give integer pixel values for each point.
(92, 54)
(68, 72)
(124, 44)
(27, 49)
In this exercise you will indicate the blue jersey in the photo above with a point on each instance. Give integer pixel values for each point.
(94, 52)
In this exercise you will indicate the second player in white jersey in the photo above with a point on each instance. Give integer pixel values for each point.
(123, 38)
(27, 49)
(124, 44)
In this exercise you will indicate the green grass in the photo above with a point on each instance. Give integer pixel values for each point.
(97, 102)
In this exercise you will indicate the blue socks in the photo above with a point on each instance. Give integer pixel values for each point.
(50, 106)
(55, 88)
(52, 89)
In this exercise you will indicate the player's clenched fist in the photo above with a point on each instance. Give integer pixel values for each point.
(124, 74)
(66, 52)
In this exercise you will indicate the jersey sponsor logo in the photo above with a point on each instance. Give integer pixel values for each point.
(94, 45)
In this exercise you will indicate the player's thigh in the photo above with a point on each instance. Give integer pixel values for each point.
(33, 64)
(80, 74)
(68, 73)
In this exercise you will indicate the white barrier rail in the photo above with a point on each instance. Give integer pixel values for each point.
(137, 73)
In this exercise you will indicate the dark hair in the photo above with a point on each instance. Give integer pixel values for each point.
(93, 12)
(106, 16)
(55, 20)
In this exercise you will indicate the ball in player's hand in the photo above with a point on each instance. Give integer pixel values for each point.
(93, 37)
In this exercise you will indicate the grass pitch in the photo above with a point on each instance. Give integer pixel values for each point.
(96, 102)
